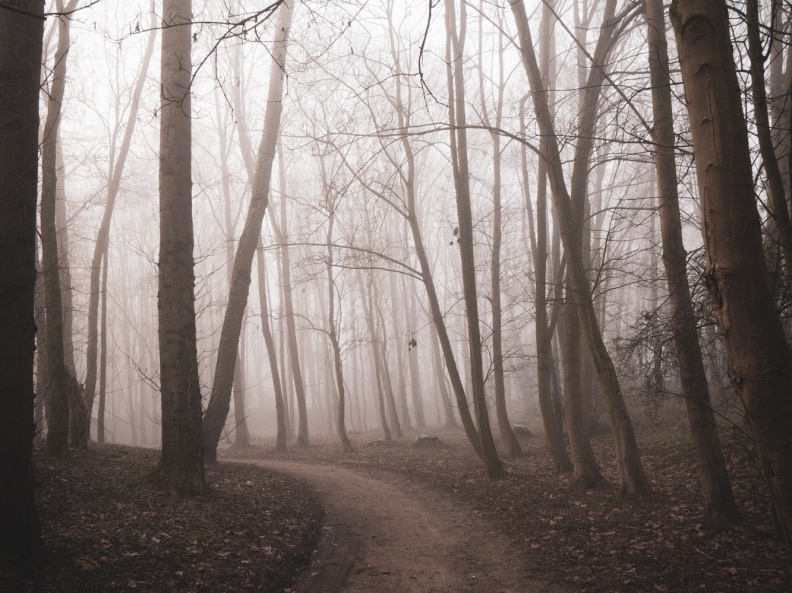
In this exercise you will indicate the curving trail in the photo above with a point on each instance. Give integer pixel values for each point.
(387, 535)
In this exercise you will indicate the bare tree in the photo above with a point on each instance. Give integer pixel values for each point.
(62, 385)
(718, 498)
(181, 466)
(737, 278)
(103, 235)
(633, 480)
(219, 403)
(459, 159)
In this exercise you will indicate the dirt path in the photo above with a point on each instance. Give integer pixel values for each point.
(386, 534)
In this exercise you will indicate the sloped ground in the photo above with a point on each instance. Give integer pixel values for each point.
(593, 542)
(106, 529)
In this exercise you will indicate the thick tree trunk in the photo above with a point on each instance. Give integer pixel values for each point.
(459, 158)
(718, 498)
(219, 402)
(20, 67)
(58, 434)
(103, 236)
(181, 467)
(742, 301)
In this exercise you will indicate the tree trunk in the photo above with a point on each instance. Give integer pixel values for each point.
(395, 305)
(288, 301)
(219, 402)
(544, 354)
(719, 505)
(737, 278)
(779, 209)
(20, 68)
(100, 420)
(272, 354)
(181, 467)
(426, 268)
(58, 434)
(103, 236)
(504, 424)
(459, 158)
(633, 480)
(437, 363)
(412, 356)
(331, 324)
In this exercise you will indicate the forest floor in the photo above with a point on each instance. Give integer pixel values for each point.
(433, 510)
(591, 542)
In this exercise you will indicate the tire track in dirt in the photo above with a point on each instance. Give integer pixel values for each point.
(384, 535)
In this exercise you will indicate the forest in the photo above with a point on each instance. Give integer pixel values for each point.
(521, 269)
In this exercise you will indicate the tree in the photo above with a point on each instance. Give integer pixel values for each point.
(459, 160)
(21, 36)
(718, 497)
(103, 234)
(217, 409)
(760, 366)
(181, 466)
(568, 208)
(62, 394)
(504, 424)
(331, 203)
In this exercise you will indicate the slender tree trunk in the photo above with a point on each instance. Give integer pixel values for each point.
(504, 424)
(437, 363)
(401, 367)
(181, 466)
(103, 234)
(219, 402)
(272, 354)
(412, 357)
(775, 181)
(633, 480)
(20, 70)
(544, 355)
(459, 158)
(58, 434)
(331, 323)
(759, 361)
(100, 421)
(718, 498)
(426, 268)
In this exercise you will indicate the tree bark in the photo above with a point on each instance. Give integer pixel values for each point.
(719, 504)
(219, 402)
(20, 69)
(760, 367)
(181, 467)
